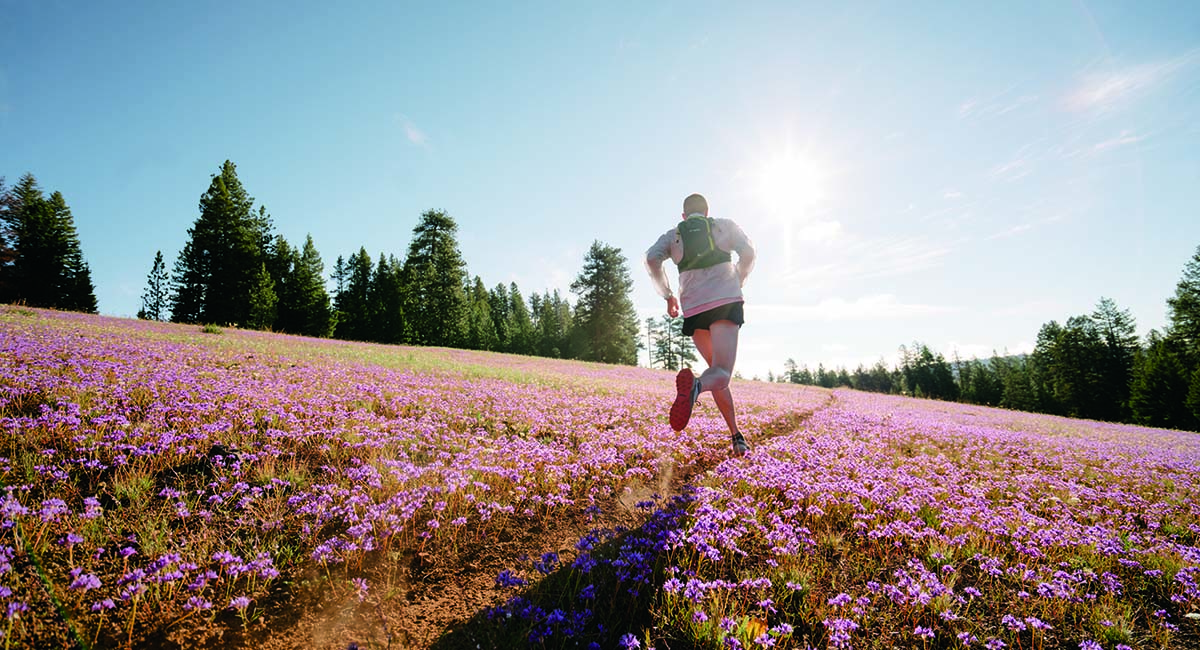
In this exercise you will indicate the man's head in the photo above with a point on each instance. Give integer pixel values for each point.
(695, 204)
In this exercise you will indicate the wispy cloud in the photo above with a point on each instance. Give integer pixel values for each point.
(1010, 232)
(1017, 167)
(952, 194)
(995, 105)
(879, 307)
(1125, 138)
(414, 134)
(1107, 91)
(874, 258)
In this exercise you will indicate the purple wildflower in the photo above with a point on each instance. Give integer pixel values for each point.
(15, 609)
(84, 581)
(507, 579)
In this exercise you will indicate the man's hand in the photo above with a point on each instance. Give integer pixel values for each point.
(672, 306)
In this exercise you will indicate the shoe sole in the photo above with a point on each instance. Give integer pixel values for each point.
(681, 410)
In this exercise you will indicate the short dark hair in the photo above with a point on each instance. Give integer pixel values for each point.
(695, 203)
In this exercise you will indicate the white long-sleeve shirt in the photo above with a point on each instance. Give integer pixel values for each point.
(706, 288)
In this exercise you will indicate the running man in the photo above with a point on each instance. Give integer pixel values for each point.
(710, 297)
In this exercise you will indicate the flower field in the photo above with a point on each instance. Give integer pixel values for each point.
(166, 486)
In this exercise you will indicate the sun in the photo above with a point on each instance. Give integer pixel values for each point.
(789, 182)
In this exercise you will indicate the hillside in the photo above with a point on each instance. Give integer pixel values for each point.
(171, 487)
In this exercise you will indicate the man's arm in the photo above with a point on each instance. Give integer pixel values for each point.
(741, 244)
(659, 253)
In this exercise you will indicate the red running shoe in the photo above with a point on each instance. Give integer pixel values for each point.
(687, 389)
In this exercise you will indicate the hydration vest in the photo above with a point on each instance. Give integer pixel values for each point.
(699, 249)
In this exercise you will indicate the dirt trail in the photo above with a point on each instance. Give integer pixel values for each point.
(413, 602)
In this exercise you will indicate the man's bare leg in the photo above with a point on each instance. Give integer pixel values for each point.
(718, 346)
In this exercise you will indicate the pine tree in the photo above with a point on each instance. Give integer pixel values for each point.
(434, 275)
(154, 299)
(312, 298)
(606, 323)
(262, 301)
(8, 252)
(554, 325)
(498, 305)
(653, 333)
(520, 324)
(481, 329)
(1184, 309)
(1019, 392)
(353, 306)
(218, 269)
(1158, 394)
(339, 276)
(1119, 346)
(280, 261)
(299, 276)
(926, 374)
(75, 291)
(1193, 397)
(386, 298)
(32, 274)
(44, 265)
(671, 349)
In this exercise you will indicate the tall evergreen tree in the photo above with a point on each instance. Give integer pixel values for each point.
(434, 275)
(154, 298)
(1158, 394)
(280, 261)
(1068, 359)
(387, 298)
(925, 373)
(520, 325)
(481, 329)
(8, 252)
(75, 289)
(554, 325)
(671, 349)
(43, 263)
(1018, 391)
(606, 323)
(218, 269)
(980, 383)
(1118, 335)
(1184, 309)
(308, 300)
(353, 303)
(29, 227)
(263, 302)
(499, 305)
(339, 276)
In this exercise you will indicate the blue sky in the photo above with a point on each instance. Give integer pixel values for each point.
(951, 173)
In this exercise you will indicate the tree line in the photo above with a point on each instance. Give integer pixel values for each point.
(233, 270)
(1090, 366)
(41, 259)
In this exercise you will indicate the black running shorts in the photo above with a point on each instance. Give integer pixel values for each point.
(701, 321)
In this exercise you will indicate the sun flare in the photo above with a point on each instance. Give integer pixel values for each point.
(789, 182)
